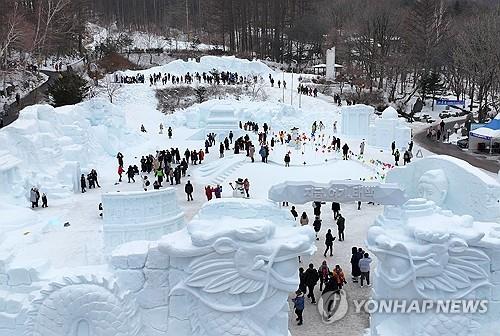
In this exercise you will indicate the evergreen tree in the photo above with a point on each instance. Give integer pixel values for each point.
(430, 84)
(70, 88)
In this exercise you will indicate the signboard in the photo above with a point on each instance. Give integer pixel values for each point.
(450, 102)
(338, 191)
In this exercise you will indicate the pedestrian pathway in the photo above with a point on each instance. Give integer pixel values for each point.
(34, 97)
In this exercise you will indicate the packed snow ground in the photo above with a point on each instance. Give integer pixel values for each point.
(57, 249)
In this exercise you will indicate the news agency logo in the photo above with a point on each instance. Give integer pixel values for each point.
(333, 306)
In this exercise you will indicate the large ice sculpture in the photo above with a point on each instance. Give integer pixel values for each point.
(387, 129)
(452, 184)
(140, 215)
(356, 120)
(237, 263)
(228, 273)
(427, 253)
(52, 143)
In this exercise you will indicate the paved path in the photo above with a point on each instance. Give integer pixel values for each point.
(438, 147)
(34, 97)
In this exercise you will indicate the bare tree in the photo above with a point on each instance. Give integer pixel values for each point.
(111, 88)
(477, 55)
(10, 30)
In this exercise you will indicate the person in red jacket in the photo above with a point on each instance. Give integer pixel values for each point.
(201, 155)
(209, 192)
(120, 172)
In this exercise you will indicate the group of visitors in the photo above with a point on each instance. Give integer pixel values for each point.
(331, 280)
(35, 198)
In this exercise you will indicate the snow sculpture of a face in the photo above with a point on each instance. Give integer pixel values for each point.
(433, 186)
(239, 274)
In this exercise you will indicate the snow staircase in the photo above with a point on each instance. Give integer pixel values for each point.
(217, 171)
(221, 178)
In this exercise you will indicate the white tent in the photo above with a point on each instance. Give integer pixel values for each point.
(487, 136)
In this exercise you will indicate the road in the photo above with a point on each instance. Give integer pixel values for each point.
(440, 148)
(34, 97)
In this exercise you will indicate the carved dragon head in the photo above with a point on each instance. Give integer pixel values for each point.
(240, 256)
(438, 261)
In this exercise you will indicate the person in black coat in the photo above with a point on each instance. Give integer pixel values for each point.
(83, 183)
(329, 239)
(189, 190)
(294, 213)
(317, 226)
(317, 209)
(311, 278)
(221, 150)
(302, 283)
(335, 209)
(355, 271)
(341, 226)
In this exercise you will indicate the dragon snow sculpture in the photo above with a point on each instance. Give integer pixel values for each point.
(441, 246)
(238, 269)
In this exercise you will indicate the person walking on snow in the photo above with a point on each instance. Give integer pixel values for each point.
(294, 213)
(188, 189)
(329, 239)
(317, 226)
(345, 151)
(341, 226)
(335, 209)
(311, 279)
(208, 192)
(246, 186)
(304, 220)
(44, 201)
(362, 148)
(83, 183)
(396, 157)
(364, 267)
(323, 272)
(33, 197)
(287, 160)
(298, 305)
(393, 147)
(120, 172)
(355, 272)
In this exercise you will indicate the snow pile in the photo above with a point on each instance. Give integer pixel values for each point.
(52, 143)
(207, 63)
(278, 116)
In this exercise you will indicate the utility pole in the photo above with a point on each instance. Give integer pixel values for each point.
(187, 19)
(282, 83)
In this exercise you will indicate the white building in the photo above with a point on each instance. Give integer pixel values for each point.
(356, 120)
(387, 129)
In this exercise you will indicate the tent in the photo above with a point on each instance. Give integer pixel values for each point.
(488, 135)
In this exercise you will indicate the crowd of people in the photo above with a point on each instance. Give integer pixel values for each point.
(213, 77)
(331, 279)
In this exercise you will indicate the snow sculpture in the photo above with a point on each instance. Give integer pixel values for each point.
(356, 120)
(387, 129)
(143, 215)
(427, 253)
(337, 191)
(221, 120)
(451, 184)
(51, 143)
(82, 307)
(236, 263)
(9, 173)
